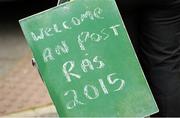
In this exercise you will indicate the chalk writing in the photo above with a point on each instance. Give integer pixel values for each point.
(73, 103)
(85, 57)
(115, 30)
(86, 65)
(82, 39)
(67, 25)
(91, 92)
(85, 37)
(112, 82)
(47, 55)
(67, 72)
(87, 88)
(60, 49)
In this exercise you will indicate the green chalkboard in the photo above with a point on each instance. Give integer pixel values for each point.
(87, 61)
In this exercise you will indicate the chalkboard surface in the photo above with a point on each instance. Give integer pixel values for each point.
(87, 61)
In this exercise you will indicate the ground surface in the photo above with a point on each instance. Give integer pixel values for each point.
(22, 92)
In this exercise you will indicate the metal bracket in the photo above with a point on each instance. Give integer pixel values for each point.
(62, 1)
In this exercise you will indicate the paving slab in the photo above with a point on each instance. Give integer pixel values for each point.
(22, 89)
(47, 111)
(12, 46)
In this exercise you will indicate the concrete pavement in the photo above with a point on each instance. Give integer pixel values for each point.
(22, 93)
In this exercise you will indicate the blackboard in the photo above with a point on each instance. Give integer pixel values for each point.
(87, 61)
